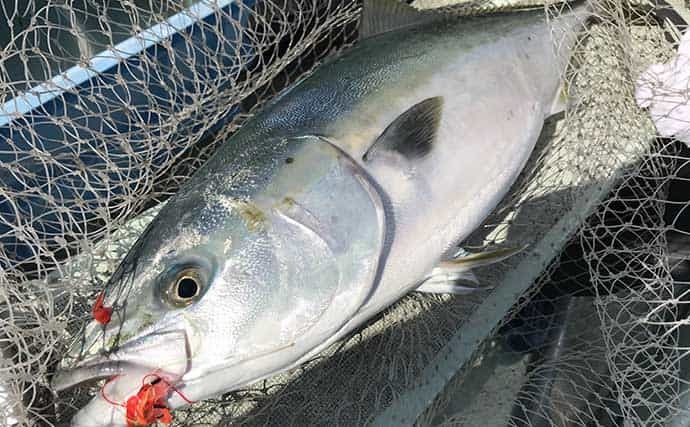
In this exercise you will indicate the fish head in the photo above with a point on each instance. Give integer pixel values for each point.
(223, 289)
(166, 297)
(185, 293)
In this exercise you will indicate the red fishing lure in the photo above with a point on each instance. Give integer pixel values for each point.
(149, 405)
(100, 313)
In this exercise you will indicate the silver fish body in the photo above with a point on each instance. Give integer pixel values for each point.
(304, 224)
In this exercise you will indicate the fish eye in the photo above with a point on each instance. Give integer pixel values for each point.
(186, 287)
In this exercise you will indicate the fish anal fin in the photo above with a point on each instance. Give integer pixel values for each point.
(381, 16)
(449, 275)
(468, 260)
(450, 287)
(413, 132)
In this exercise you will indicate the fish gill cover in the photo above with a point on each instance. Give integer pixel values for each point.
(110, 105)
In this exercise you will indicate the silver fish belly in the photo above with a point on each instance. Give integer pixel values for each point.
(337, 199)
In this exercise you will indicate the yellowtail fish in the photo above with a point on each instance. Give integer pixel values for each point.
(348, 191)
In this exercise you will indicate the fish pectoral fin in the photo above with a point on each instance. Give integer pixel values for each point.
(381, 16)
(448, 276)
(412, 133)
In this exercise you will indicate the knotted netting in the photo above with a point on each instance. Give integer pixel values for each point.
(110, 105)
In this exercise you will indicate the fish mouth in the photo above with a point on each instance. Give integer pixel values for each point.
(166, 354)
(66, 379)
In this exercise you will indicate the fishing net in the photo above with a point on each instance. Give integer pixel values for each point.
(107, 106)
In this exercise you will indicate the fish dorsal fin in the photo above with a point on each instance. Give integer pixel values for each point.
(413, 132)
(381, 16)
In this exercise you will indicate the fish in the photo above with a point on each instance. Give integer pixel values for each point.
(349, 190)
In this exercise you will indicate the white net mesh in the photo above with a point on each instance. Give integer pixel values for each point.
(110, 105)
